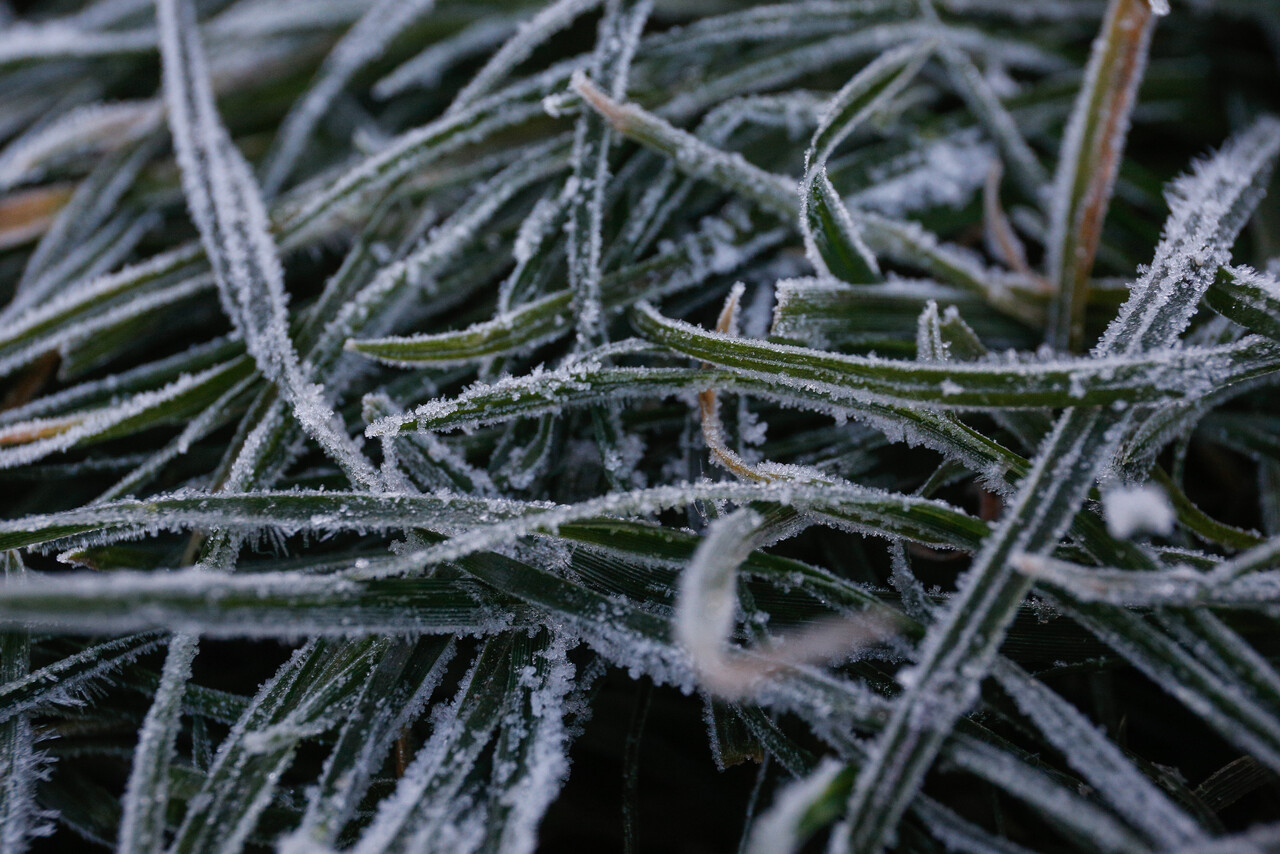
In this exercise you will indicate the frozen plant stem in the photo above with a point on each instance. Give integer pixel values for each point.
(1090, 158)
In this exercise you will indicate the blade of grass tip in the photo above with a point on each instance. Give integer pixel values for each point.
(529, 35)
(361, 45)
(146, 795)
(959, 648)
(832, 239)
(229, 212)
(1092, 148)
(21, 819)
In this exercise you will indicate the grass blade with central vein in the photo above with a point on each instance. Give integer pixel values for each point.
(960, 646)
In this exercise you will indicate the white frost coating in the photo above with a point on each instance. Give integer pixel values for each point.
(220, 412)
(107, 126)
(892, 70)
(22, 41)
(233, 224)
(1140, 509)
(850, 507)
(142, 823)
(22, 766)
(26, 442)
(1207, 208)
(1102, 764)
(67, 681)
(429, 797)
(362, 44)
(618, 35)
(529, 34)
(947, 172)
(425, 69)
(546, 764)
(777, 831)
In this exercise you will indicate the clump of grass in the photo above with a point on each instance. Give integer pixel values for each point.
(414, 408)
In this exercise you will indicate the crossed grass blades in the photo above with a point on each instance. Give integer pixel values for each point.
(511, 365)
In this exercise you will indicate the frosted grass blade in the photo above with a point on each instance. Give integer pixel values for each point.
(65, 681)
(401, 685)
(1092, 148)
(529, 35)
(142, 826)
(362, 44)
(960, 645)
(1099, 761)
(21, 819)
(228, 210)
